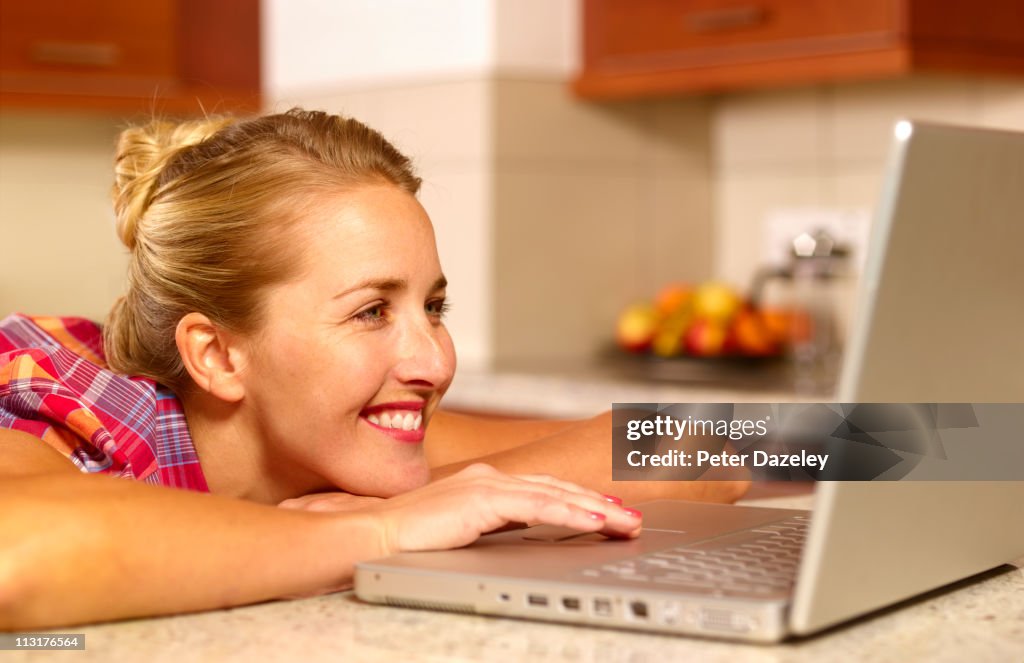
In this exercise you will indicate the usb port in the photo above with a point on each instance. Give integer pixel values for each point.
(538, 600)
(602, 607)
(570, 603)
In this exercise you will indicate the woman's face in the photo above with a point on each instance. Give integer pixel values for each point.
(354, 356)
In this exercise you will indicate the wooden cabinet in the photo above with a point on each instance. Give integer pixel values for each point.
(149, 56)
(635, 48)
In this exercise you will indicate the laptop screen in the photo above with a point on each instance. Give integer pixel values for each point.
(941, 304)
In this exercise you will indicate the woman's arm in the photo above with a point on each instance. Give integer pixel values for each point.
(78, 548)
(456, 438)
(580, 452)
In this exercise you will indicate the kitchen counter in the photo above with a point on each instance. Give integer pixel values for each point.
(578, 392)
(981, 619)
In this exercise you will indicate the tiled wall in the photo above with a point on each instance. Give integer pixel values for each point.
(551, 214)
(595, 205)
(61, 256)
(826, 146)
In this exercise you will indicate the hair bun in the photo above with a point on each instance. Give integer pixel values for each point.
(142, 154)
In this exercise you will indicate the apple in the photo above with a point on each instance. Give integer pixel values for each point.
(716, 301)
(636, 327)
(778, 323)
(705, 338)
(668, 342)
(749, 335)
(673, 298)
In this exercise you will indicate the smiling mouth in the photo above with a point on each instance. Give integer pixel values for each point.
(401, 421)
(396, 420)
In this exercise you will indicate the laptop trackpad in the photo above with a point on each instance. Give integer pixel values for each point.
(555, 534)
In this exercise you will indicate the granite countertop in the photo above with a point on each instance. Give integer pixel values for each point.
(981, 619)
(578, 393)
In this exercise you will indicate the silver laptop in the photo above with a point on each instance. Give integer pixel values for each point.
(940, 314)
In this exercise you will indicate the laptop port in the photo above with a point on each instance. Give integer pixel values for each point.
(570, 603)
(603, 607)
(639, 609)
(538, 600)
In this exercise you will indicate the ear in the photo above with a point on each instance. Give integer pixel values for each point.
(213, 357)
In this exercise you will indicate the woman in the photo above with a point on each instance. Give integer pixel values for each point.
(281, 344)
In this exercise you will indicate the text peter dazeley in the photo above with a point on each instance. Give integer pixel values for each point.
(701, 458)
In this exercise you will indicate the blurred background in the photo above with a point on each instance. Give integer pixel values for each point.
(594, 169)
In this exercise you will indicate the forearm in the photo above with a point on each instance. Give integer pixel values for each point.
(582, 453)
(461, 438)
(90, 548)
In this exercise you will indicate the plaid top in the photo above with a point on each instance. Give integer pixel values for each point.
(55, 385)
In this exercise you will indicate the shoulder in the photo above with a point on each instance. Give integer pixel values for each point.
(56, 386)
(80, 336)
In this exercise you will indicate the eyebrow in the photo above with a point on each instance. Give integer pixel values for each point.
(389, 285)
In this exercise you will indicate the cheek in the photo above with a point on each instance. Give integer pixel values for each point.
(448, 348)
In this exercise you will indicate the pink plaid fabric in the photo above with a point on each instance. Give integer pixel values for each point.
(55, 385)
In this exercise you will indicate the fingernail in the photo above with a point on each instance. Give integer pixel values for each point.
(595, 515)
(613, 499)
(633, 512)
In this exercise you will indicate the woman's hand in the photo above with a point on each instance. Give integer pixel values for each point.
(333, 501)
(456, 510)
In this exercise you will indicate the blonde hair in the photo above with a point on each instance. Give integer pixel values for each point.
(206, 208)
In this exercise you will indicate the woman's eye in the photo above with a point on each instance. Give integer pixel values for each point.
(373, 315)
(438, 307)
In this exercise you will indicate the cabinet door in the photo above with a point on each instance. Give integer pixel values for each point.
(634, 48)
(664, 46)
(662, 34)
(149, 55)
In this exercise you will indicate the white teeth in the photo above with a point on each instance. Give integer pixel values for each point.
(402, 420)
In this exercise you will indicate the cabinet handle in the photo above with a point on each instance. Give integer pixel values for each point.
(727, 18)
(85, 54)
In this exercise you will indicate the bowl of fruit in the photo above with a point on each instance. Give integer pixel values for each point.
(710, 322)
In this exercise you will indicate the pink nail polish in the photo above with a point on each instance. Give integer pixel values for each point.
(633, 512)
(595, 515)
(613, 499)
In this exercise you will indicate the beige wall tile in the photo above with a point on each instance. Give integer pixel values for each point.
(678, 242)
(742, 202)
(862, 115)
(62, 257)
(1002, 103)
(775, 128)
(540, 121)
(567, 247)
(856, 186)
(437, 124)
(460, 205)
(676, 135)
(596, 205)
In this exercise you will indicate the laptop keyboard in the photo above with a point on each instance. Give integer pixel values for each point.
(757, 562)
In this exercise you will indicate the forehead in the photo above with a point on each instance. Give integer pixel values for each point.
(367, 230)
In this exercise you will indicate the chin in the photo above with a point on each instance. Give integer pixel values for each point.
(402, 480)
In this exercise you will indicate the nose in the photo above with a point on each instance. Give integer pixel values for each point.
(426, 355)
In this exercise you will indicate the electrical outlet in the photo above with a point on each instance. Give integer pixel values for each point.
(848, 227)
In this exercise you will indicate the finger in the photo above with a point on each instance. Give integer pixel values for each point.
(578, 512)
(560, 483)
(620, 521)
